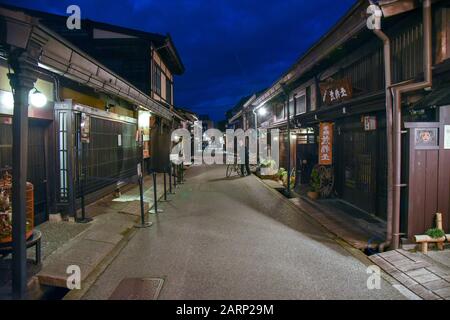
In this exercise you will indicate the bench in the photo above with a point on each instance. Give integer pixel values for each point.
(33, 241)
(424, 240)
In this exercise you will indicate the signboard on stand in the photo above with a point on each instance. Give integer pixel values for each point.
(326, 143)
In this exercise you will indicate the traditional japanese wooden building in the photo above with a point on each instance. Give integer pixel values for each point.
(372, 85)
(112, 80)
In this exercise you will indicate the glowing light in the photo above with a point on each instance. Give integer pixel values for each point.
(8, 100)
(262, 111)
(37, 99)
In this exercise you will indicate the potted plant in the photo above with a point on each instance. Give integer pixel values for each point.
(436, 233)
(314, 191)
(283, 176)
(270, 172)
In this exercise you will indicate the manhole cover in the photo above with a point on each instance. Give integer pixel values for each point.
(138, 289)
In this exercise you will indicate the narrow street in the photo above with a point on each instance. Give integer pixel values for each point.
(236, 239)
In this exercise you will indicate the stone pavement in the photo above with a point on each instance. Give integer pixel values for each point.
(54, 235)
(360, 230)
(424, 276)
(113, 219)
(236, 239)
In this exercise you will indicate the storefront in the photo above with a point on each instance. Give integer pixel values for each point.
(361, 162)
(40, 141)
(99, 143)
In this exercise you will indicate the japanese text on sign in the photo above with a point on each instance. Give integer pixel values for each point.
(326, 144)
(336, 91)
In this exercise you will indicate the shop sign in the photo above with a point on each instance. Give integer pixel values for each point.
(144, 118)
(370, 123)
(85, 128)
(336, 91)
(426, 138)
(326, 143)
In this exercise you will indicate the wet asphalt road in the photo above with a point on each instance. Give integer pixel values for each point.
(235, 239)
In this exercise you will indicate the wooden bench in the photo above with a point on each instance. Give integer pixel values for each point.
(33, 241)
(424, 240)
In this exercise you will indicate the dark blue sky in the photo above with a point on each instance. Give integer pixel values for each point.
(230, 48)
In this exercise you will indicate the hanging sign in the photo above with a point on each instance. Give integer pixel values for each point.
(336, 91)
(370, 123)
(85, 128)
(326, 143)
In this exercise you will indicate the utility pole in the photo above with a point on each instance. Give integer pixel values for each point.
(288, 127)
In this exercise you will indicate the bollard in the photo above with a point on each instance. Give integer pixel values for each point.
(175, 176)
(155, 209)
(170, 180)
(143, 224)
(165, 189)
(180, 181)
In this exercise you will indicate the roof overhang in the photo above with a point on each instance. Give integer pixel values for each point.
(63, 58)
(235, 117)
(350, 25)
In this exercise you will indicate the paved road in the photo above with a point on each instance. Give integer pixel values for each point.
(236, 239)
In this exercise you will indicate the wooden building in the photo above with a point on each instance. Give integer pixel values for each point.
(343, 80)
(113, 80)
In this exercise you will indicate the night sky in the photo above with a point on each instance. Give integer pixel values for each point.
(230, 48)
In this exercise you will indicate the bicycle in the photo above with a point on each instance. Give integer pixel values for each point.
(231, 168)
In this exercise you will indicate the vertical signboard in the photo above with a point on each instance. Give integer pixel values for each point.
(85, 128)
(144, 127)
(326, 143)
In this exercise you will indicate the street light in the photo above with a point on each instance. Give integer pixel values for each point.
(37, 99)
(262, 111)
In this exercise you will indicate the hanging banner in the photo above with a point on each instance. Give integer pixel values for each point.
(326, 143)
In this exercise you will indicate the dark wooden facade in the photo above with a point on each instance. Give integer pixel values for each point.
(353, 53)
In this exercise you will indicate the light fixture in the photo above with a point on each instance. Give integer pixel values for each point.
(262, 111)
(37, 99)
(8, 100)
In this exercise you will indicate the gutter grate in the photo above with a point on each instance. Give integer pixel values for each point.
(138, 289)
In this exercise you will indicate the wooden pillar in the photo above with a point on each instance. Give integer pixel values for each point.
(22, 81)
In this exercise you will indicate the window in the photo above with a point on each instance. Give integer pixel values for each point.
(279, 111)
(168, 91)
(157, 79)
(301, 103)
(291, 107)
(442, 35)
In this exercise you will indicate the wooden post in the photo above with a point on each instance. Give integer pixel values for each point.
(22, 81)
(440, 245)
(425, 247)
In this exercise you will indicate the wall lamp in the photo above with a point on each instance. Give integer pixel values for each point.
(37, 99)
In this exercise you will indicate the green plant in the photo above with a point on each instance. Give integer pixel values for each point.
(435, 233)
(268, 163)
(315, 181)
(282, 173)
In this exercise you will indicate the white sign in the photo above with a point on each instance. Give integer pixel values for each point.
(447, 137)
(119, 140)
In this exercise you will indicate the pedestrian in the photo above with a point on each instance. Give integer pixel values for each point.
(247, 158)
